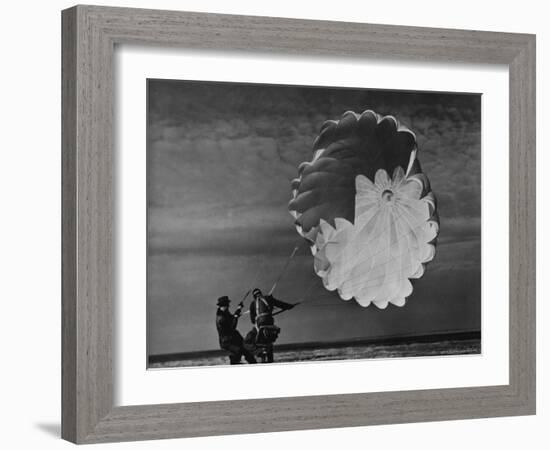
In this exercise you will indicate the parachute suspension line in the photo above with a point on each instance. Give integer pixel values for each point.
(245, 296)
(284, 268)
(259, 268)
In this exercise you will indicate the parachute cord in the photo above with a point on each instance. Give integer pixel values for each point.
(259, 268)
(284, 268)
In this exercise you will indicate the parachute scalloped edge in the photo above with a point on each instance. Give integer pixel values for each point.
(333, 125)
(348, 249)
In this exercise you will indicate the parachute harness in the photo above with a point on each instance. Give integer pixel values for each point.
(258, 315)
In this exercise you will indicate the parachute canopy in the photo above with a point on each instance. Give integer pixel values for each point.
(366, 208)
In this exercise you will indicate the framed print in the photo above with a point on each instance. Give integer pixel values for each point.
(297, 253)
(319, 211)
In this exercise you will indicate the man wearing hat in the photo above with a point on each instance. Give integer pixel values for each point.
(230, 338)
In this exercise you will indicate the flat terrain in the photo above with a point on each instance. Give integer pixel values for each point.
(396, 348)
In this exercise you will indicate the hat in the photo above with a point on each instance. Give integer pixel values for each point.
(255, 292)
(223, 301)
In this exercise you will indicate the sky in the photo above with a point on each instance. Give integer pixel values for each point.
(220, 159)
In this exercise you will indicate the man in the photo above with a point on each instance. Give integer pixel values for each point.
(230, 338)
(264, 332)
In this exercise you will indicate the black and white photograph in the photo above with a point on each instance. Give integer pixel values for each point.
(275, 225)
(292, 224)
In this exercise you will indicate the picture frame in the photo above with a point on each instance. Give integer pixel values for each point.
(89, 37)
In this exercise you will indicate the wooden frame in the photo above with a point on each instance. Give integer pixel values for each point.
(89, 36)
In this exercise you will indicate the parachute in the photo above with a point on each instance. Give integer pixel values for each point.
(366, 209)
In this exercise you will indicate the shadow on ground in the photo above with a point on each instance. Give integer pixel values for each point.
(53, 429)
